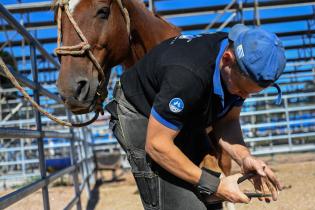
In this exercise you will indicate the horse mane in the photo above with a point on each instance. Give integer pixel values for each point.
(143, 20)
(170, 24)
(157, 15)
(54, 8)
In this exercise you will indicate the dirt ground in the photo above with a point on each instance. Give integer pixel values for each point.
(296, 171)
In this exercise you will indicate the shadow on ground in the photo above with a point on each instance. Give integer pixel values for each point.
(95, 193)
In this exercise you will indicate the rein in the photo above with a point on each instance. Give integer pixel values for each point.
(82, 48)
(36, 105)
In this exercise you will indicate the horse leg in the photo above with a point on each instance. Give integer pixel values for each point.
(221, 164)
(225, 163)
(218, 160)
(210, 162)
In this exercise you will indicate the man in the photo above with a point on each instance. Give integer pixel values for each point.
(186, 92)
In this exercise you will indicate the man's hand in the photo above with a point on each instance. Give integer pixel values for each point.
(266, 181)
(229, 190)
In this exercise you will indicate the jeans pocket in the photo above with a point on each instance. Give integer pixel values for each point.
(148, 188)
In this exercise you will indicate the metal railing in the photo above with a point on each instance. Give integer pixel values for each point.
(295, 134)
(291, 132)
(82, 163)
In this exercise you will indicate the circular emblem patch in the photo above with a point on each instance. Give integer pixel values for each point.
(176, 105)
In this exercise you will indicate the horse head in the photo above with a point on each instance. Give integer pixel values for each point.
(96, 35)
(99, 29)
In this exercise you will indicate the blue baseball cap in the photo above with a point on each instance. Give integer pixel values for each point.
(259, 54)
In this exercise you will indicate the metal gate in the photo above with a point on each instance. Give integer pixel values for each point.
(80, 149)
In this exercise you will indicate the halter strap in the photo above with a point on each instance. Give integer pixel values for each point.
(79, 49)
(84, 47)
(125, 14)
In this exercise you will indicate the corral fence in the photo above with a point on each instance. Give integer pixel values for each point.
(290, 127)
(81, 167)
(268, 129)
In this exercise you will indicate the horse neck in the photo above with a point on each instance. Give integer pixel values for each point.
(147, 31)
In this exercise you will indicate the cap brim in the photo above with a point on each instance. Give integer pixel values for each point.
(236, 30)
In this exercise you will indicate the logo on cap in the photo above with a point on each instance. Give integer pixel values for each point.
(240, 51)
(176, 105)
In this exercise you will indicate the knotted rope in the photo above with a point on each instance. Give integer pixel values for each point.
(78, 49)
(84, 47)
(36, 105)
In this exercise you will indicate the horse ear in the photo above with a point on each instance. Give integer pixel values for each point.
(54, 8)
(53, 5)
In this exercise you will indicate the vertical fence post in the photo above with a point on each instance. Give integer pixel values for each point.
(22, 141)
(40, 142)
(1, 101)
(240, 10)
(151, 6)
(74, 162)
(287, 116)
(92, 165)
(85, 145)
(256, 13)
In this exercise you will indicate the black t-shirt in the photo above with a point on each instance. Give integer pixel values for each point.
(179, 82)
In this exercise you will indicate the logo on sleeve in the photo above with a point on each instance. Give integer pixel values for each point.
(176, 105)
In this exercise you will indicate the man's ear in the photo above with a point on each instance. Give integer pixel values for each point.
(228, 58)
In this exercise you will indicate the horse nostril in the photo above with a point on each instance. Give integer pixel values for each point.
(82, 90)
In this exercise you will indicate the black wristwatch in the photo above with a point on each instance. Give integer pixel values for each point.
(208, 183)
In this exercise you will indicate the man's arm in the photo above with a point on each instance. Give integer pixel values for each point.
(229, 133)
(161, 148)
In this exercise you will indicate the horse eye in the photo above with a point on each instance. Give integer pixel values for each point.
(103, 13)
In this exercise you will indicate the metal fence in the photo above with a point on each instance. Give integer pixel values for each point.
(81, 155)
(286, 128)
(291, 130)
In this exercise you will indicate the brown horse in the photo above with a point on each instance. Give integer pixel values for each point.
(104, 25)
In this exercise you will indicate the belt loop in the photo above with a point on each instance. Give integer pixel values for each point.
(116, 89)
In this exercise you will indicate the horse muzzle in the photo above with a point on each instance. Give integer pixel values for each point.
(79, 107)
(79, 94)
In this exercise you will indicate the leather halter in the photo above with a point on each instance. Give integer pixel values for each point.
(84, 48)
(79, 49)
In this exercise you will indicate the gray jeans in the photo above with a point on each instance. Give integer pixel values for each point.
(158, 189)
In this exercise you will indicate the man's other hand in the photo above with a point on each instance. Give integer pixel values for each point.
(229, 190)
(265, 181)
